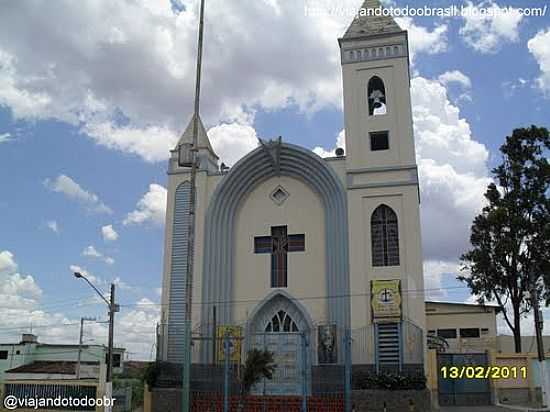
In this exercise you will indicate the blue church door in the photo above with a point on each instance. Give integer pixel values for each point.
(282, 337)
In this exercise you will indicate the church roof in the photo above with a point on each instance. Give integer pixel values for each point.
(202, 138)
(367, 23)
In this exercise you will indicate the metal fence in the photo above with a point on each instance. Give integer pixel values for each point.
(313, 367)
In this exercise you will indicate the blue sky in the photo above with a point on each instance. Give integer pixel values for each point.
(93, 97)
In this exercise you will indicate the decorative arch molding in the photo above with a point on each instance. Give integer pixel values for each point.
(269, 160)
(279, 299)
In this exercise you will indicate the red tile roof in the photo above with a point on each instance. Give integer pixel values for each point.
(51, 367)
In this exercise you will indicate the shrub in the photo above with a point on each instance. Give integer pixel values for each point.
(388, 381)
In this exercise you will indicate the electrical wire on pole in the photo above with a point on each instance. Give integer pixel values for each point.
(186, 389)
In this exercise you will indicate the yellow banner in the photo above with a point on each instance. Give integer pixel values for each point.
(234, 341)
(386, 299)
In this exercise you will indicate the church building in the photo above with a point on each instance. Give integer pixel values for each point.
(295, 251)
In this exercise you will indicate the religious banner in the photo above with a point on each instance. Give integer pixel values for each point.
(234, 342)
(326, 344)
(386, 300)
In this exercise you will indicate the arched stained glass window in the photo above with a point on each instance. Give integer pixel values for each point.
(281, 322)
(384, 237)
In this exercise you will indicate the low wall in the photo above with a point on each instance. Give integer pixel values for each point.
(391, 401)
(169, 400)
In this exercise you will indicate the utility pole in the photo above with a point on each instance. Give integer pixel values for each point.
(186, 378)
(112, 310)
(113, 307)
(80, 344)
(544, 384)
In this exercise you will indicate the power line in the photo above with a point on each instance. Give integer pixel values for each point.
(226, 302)
(305, 298)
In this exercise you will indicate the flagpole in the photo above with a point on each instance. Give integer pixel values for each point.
(186, 387)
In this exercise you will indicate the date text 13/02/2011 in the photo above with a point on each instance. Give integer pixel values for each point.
(483, 372)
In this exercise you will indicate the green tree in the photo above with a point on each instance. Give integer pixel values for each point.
(259, 364)
(510, 239)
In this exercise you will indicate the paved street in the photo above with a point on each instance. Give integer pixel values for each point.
(474, 409)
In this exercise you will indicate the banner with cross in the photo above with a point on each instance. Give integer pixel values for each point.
(386, 300)
(235, 336)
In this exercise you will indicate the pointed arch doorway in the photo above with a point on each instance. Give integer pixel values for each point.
(282, 327)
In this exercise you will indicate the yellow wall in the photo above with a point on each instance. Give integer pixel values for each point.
(302, 212)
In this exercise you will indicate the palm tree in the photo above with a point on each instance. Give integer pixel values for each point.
(259, 364)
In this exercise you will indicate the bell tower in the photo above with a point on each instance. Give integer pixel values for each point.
(383, 193)
(377, 103)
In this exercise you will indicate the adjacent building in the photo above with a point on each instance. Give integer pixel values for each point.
(465, 327)
(29, 351)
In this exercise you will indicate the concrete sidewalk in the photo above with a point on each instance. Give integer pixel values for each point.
(474, 409)
(525, 408)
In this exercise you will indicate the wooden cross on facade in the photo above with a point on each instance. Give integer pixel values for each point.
(279, 244)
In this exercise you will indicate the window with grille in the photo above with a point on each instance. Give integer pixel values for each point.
(388, 346)
(281, 322)
(384, 237)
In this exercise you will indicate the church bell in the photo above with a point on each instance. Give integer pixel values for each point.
(377, 98)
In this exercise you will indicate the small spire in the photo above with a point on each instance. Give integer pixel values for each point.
(369, 23)
(203, 142)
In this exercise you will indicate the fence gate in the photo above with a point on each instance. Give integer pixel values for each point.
(467, 391)
(287, 349)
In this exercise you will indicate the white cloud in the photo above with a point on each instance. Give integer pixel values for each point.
(138, 327)
(16, 290)
(71, 189)
(434, 271)
(455, 76)
(109, 234)
(92, 252)
(340, 143)
(452, 167)
(17, 284)
(510, 87)
(231, 141)
(138, 107)
(53, 226)
(20, 301)
(5, 137)
(7, 263)
(421, 39)
(121, 284)
(152, 143)
(487, 27)
(96, 280)
(460, 79)
(151, 207)
(24, 103)
(539, 46)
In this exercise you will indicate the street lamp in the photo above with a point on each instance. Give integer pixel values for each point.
(112, 309)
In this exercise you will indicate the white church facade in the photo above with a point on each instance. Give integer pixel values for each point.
(288, 243)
